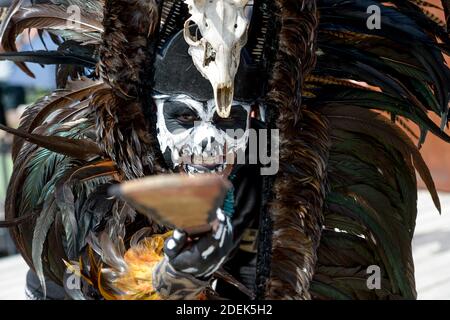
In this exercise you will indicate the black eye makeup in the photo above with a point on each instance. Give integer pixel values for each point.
(179, 116)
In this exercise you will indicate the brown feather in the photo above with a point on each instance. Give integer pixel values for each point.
(41, 16)
(123, 131)
(13, 9)
(300, 185)
(16, 222)
(36, 114)
(60, 99)
(82, 149)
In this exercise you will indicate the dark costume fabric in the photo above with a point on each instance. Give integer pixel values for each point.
(342, 96)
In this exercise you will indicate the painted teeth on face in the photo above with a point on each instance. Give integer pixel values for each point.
(186, 154)
(191, 170)
(176, 157)
(209, 160)
(198, 159)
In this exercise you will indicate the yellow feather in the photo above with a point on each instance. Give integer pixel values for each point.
(136, 282)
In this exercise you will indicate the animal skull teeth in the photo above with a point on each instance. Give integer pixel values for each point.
(224, 99)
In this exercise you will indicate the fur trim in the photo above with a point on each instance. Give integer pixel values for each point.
(299, 190)
(129, 28)
(127, 55)
(123, 133)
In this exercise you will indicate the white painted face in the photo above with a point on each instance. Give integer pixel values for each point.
(216, 33)
(195, 139)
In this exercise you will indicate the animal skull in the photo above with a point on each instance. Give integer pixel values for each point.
(216, 32)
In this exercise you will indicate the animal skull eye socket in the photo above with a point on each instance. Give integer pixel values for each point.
(192, 33)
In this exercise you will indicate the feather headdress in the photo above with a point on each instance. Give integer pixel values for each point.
(345, 196)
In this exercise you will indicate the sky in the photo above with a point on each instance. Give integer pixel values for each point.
(45, 77)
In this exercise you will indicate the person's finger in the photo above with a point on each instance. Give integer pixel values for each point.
(175, 243)
(187, 260)
(205, 255)
(223, 229)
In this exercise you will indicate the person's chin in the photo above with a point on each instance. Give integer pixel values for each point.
(222, 169)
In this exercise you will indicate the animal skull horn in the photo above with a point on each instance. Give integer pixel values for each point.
(216, 32)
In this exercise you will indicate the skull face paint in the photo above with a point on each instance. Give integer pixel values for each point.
(195, 139)
(216, 32)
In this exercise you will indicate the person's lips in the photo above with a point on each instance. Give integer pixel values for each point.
(197, 168)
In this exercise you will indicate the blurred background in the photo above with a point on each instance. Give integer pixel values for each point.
(431, 245)
(16, 91)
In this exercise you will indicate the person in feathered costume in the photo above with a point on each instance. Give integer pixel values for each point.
(132, 72)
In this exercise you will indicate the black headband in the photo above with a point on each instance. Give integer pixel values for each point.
(175, 73)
